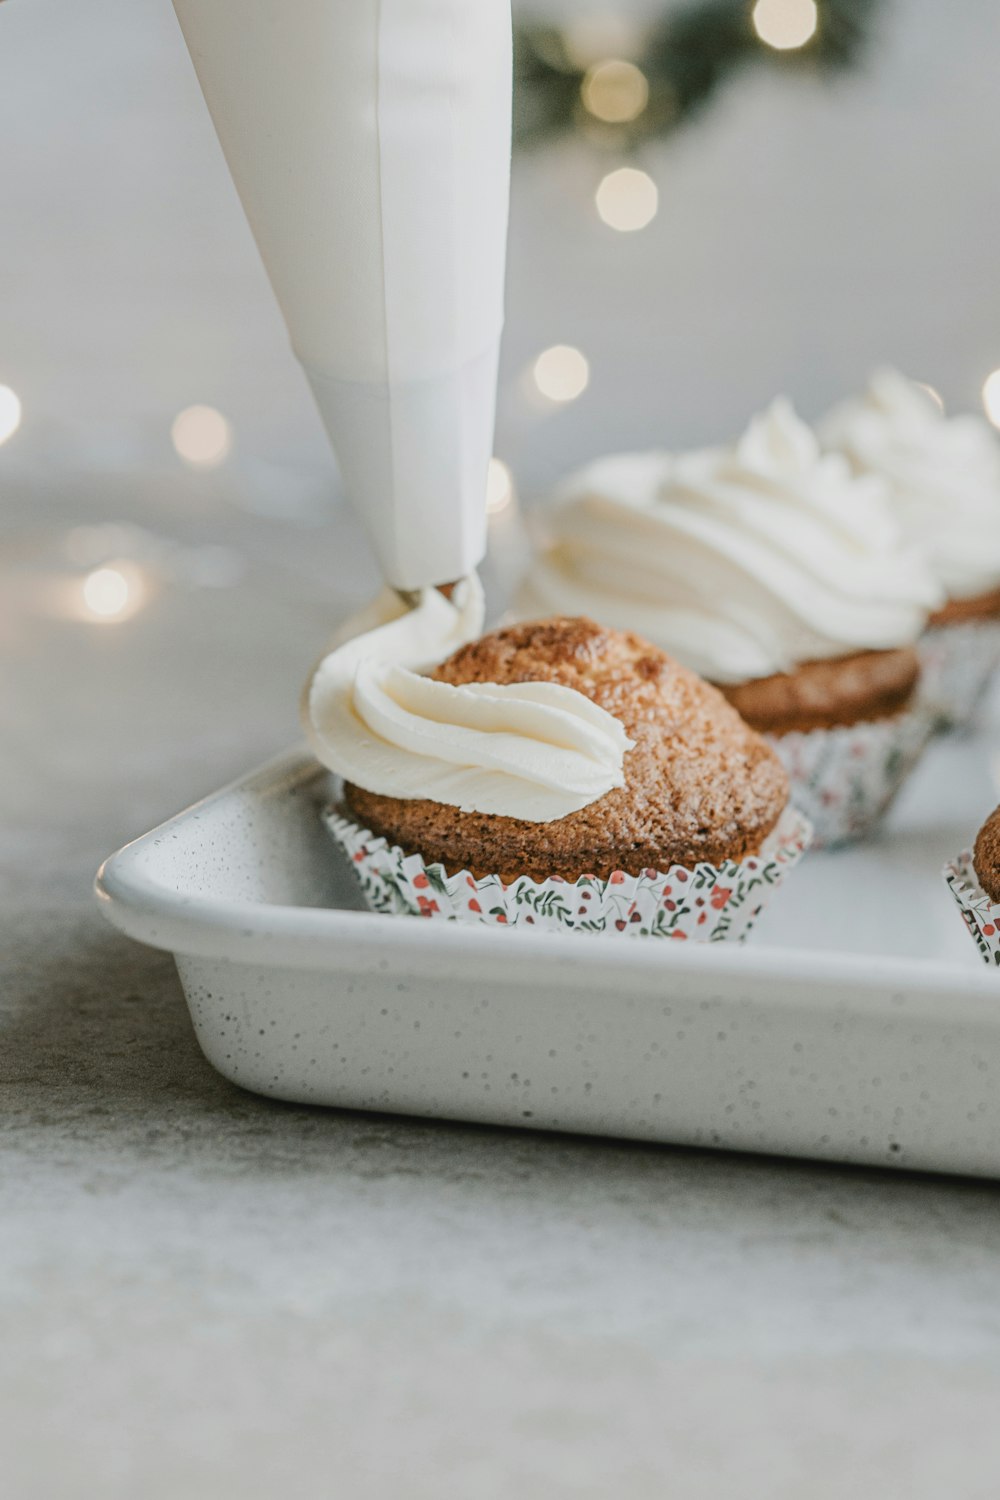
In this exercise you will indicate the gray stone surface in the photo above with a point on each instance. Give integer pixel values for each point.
(203, 1294)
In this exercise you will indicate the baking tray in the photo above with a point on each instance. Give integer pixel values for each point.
(858, 1024)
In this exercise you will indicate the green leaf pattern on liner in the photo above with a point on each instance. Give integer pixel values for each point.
(707, 904)
(844, 780)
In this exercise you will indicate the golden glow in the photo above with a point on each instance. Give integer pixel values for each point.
(10, 412)
(202, 436)
(499, 487)
(561, 373)
(785, 24)
(615, 91)
(627, 199)
(935, 395)
(113, 593)
(991, 397)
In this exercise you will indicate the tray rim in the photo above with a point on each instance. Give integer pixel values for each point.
(271, 936)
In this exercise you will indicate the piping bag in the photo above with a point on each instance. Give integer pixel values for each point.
(369, 141)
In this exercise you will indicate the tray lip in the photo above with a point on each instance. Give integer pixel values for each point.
(270, 936)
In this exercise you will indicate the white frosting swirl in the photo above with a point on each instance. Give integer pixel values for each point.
(740, 562)
(942, 473)
(532, 750)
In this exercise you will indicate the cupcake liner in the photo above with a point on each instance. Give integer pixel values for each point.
(706, 905)
(844, 779)
(980, 915)
(957, 663)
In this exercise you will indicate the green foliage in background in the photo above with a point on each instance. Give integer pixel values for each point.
(686, 58)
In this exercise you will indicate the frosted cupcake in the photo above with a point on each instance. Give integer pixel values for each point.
(943, 481)
(552, 774)
(774, 572)
(974, 881)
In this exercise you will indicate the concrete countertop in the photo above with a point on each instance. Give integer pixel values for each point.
(204, 1294)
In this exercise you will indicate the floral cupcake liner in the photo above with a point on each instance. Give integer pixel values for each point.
(706, 905)
(845, 779)
(980, 914)
(957, 663)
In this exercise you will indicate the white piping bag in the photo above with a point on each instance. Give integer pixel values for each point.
(369, 141)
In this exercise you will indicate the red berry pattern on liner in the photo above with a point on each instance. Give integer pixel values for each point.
(980, 915)
(706, 904)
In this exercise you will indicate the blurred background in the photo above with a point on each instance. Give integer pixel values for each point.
(809, 220)
(713, 201)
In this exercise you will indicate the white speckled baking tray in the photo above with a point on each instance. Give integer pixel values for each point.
(858, 1024)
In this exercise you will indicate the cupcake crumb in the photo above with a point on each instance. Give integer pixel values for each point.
(986, 855)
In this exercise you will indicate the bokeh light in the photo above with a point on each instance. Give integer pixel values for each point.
(991, 397)
(615, 91)
(499, 487)
(10, 412)
(202, 437)
(627, 199)
(113, 593)
(561, 373)
(785, 24)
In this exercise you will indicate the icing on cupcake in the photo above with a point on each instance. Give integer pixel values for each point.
(533, 749)
(942, 476)
(743, 562)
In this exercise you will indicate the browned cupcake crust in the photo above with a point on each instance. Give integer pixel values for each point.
(986, 855)
(827, 694)
(700, 784)
(960, 611)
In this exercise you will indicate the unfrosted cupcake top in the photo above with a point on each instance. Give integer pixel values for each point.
(942, 475)
(742, 562)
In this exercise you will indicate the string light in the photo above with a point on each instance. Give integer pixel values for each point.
(991, 397)
(615, 91)
(684, 58)
(627, 199)
(10, 413)
(561, 373)
(499, 487)
(113, 593)
(785, 24)
(202, 437)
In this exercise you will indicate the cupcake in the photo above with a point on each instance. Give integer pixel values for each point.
(974, 881)
(942, 476)
(554, 773)
(778, 575)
